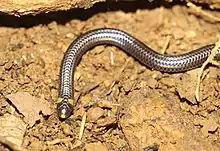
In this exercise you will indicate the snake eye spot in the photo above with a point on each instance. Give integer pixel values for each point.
(64, 109)
(62, 113)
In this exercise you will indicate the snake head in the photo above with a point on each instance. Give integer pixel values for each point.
(64, 107)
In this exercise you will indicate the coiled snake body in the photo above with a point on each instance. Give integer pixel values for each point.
(123, 40)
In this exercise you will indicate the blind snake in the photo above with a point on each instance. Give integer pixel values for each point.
(132, 46)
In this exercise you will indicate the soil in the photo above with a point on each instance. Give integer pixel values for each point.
(128, 106)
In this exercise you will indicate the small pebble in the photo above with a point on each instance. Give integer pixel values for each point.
(94, 114)
(152, 83)
(70, 35)
(66, 129)
(106, 121)
(8, 65)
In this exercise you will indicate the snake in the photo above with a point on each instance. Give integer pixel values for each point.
(169, 63)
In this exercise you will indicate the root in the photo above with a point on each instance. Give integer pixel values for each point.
(211, 60)
(199, 10)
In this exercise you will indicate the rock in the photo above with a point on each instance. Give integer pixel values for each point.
(152, 83)
(12, 128)
(94, 114)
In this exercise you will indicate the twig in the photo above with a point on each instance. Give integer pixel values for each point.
(82, 127)
(165, 46)
(11, 145)
(211, 60)
(112, 58)
(199, 10)
(59, 140)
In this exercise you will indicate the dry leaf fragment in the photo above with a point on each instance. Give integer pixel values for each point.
(29, 106)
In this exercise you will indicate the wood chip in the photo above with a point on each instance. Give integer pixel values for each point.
(29, 106)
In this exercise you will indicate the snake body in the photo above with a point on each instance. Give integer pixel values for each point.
(132, 46)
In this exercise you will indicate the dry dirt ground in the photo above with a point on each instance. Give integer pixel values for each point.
(127, 106)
